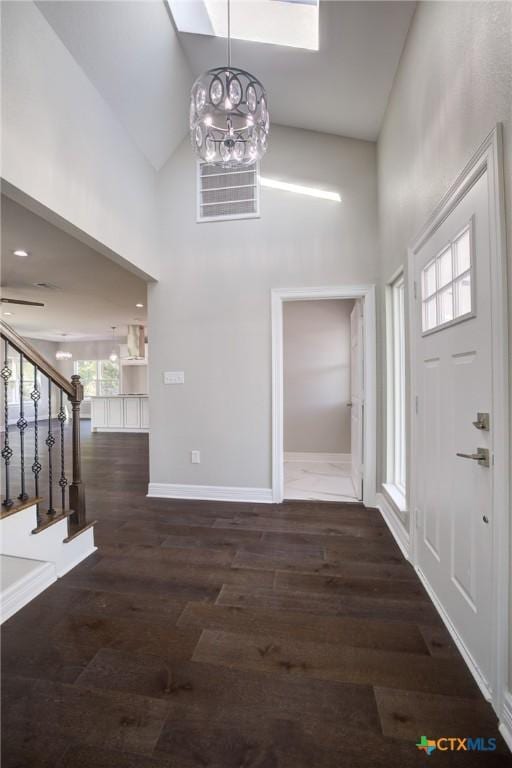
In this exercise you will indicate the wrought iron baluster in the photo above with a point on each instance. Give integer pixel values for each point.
(50, 442)
(35, 396)
(63, 479)
(7, 451)
(22, 425)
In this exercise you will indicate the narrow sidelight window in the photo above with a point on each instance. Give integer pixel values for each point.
(395, 485)
(398, 389)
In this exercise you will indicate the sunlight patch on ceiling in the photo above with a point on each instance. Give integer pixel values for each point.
(292, 23)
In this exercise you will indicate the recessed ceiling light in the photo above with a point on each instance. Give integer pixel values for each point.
(20, 252)
(139, 306)
(7, 314)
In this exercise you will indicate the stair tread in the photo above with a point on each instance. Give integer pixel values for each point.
(48, 520)
(19, 506)
(75, 531)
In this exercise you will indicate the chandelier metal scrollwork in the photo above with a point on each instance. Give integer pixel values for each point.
(229, 120)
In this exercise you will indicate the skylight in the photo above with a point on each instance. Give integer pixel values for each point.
(292, 23)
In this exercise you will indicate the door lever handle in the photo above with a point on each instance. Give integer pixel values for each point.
(482, 456)
(349, 405)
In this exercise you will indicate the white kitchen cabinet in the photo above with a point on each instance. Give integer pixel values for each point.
(131, 412)
(120, 414)
(144, 412)
(115, 412)
(99, 411)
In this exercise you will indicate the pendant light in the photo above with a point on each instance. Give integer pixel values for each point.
(61, 354)
(113, 357)
(229, 120)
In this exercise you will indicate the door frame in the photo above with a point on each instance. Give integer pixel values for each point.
(488, 158)
(367, 295)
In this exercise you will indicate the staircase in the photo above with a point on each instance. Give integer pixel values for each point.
(43, 526)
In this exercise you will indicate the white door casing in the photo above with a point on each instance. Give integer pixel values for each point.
(456, 371)
(356, 398)
(366, 295)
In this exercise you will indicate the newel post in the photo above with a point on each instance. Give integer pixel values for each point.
(76, 489)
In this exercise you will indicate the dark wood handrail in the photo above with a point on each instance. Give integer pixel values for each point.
(35, 357)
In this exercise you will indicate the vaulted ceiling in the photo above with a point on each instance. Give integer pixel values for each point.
(144, 68)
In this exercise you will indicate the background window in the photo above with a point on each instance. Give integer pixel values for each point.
(98, 377)
(108, 379)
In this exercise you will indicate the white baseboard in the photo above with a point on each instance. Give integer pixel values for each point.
(400, 534)
(209, 493)
(505, 726)
(70, 565)
(320, 457)
(15, 597)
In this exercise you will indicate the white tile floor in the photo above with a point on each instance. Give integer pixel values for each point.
(318, 480)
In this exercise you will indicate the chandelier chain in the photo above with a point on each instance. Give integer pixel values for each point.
(229, 33)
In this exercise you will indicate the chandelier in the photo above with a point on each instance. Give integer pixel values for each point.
(229, 120)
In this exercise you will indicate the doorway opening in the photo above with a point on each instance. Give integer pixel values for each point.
(322, 361)
(323, 342)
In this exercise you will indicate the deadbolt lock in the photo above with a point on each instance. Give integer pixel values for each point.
(482, 421)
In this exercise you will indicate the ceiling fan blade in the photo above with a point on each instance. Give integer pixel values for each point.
(22, 301)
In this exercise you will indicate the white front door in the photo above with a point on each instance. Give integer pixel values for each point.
(356, 397)
(452, 345)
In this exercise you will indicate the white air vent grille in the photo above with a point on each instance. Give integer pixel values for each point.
(226, 193)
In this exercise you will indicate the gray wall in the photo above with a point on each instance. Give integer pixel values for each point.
(453, 85)
(209, 314)
(134, 379)
(316, 339)
(63, 146)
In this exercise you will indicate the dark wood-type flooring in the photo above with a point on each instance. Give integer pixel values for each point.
(219, 635)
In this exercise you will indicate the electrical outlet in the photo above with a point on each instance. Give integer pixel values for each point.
(174, 377)
(195, 457)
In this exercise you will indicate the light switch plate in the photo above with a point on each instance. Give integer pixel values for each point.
(174, 377)
(195, 457)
